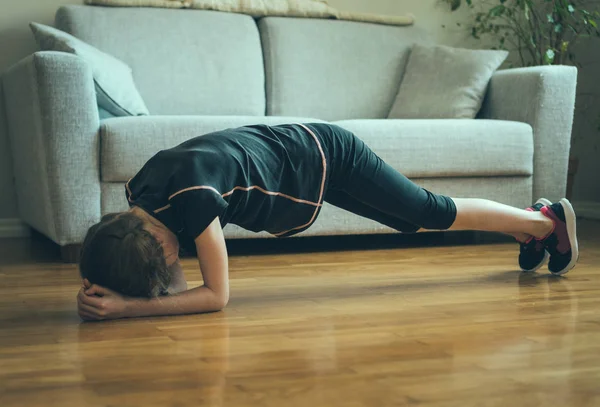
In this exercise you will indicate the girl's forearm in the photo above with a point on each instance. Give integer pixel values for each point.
(194, 301)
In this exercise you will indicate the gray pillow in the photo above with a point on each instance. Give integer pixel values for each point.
(115, 89)
(445, 83)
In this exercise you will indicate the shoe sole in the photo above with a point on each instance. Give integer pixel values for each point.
(571, 221)
(544, 202)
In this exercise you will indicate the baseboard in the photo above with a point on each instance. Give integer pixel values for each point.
(13, 228)
(587, 209)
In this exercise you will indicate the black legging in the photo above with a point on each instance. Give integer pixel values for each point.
(362, 183)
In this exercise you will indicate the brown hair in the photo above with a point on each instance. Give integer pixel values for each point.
(119, 254)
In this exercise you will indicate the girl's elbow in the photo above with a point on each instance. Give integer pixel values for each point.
(222, 302)
(219, 301)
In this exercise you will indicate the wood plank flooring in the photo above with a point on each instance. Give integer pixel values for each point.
(405, 325)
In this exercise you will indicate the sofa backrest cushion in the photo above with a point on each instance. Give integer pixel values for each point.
(183, 61)
(334, 70)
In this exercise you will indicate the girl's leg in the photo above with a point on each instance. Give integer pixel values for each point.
(374, 189)
(484, 215)
(464, 216)
(398, 202)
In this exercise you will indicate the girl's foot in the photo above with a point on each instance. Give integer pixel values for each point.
(561, 243)
(533, 253)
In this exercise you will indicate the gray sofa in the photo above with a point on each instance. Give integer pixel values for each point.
(200, 71)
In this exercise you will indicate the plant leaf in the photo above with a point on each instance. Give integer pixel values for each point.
(549, 56)
(454, 4)
(497, 11)
(571, 8)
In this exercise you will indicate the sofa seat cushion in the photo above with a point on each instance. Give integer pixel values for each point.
(449, 148)
(128, 142)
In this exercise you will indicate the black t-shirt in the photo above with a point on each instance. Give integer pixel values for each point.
(262, 178)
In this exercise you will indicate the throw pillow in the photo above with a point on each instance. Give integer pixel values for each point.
(115, 89)
(445, 83)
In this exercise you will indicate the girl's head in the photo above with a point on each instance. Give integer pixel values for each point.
(120, 253)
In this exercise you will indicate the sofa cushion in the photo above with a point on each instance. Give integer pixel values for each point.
(449, 148)
(445, 83)
(115, 89)
(417, 148)
(127, 143)
(334, 70)
(183, 61)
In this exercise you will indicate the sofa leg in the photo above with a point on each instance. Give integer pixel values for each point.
(70, 253)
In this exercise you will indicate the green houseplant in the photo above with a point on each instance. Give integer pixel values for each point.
(538, 32)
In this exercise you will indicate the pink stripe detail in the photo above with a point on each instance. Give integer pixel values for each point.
(164, 208)
(264, 191)
(193, 189)
(128, 190)
(324, 161)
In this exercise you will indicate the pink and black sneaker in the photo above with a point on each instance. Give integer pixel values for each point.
(561, 243)
(533, 254)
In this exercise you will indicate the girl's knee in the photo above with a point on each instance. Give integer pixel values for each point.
(438, 213)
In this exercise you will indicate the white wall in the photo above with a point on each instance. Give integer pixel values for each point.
(586, 136)
(431, 15)
(16, 43)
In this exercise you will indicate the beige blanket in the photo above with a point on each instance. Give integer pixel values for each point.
(262, 8)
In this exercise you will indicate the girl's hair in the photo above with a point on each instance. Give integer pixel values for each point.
(119, 254)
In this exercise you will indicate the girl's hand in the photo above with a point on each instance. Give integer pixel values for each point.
(96, 303)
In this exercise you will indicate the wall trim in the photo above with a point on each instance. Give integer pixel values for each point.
(587, 209)
(13, 228)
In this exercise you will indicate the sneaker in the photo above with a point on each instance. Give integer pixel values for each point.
(561, 243)
(533, 253)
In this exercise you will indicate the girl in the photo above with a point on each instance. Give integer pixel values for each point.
(273, 178)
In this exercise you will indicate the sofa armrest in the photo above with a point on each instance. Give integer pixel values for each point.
(543, 97)
(53, 126)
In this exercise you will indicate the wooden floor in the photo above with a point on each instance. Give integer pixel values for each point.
(455, 325)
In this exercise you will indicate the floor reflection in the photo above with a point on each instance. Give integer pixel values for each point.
(132, 361)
